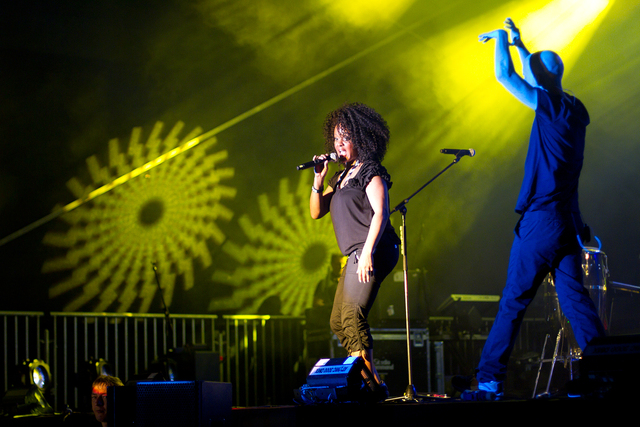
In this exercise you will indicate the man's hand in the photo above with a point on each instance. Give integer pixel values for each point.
(485, 37)
(514, 32)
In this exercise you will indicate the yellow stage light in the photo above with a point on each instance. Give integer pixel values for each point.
(35, 372)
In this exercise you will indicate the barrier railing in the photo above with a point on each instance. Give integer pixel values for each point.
(263, 357)
(260, 355)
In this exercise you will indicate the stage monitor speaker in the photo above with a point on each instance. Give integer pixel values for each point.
(193, 363)
(390, 357)
(610, 366)
(169, 403)
(345, 379)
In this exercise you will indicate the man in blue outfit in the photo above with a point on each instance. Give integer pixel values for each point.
(546, 236)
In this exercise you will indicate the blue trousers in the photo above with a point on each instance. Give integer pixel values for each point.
(354, 299)
(544, 242)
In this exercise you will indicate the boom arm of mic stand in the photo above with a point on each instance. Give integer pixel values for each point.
(410, 391)
(401, 206)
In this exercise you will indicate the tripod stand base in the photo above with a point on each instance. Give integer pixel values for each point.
(410, 395)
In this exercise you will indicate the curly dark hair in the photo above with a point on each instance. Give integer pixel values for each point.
(367, 129)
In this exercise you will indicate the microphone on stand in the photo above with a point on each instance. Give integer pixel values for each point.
(333, 157)
(458, 152)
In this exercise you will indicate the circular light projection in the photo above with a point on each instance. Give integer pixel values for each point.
(289, 254)
(162, 214)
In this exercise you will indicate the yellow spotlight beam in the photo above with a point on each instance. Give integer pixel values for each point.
(190, 144)
(556, 25)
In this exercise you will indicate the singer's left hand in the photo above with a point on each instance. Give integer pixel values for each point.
(365, 267)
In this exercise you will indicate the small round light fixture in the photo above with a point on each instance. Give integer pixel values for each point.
(102, 367)
(37, 373)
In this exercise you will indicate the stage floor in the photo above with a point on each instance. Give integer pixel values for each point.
(451, 412)
(538, 412)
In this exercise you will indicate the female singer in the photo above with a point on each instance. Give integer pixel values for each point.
(358, 200)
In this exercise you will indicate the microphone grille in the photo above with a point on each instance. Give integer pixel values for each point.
(333, 157)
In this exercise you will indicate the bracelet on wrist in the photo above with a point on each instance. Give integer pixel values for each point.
(317, 190)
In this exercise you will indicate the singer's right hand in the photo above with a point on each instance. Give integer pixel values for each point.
(321, 169)
(319, 206)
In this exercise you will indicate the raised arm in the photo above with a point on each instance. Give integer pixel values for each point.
(505, 72)
(516, 39)
(320, 198)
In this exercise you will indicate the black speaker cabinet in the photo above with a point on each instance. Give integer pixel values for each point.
(169, 403)
(390, 356)
(612, 364)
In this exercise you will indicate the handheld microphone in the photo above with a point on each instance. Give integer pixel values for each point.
(333, 157)
(458, 152)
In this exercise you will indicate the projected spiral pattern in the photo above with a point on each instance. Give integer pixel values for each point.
(163, 217)
(289, 254)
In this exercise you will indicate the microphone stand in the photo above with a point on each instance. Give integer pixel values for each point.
(410, 393)
(167, 319)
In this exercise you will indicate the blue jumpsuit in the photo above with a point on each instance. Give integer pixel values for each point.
(545, 236)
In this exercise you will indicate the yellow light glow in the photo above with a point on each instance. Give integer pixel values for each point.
(367, 13)
(560, 23)
(457, 64)
(473, 109)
